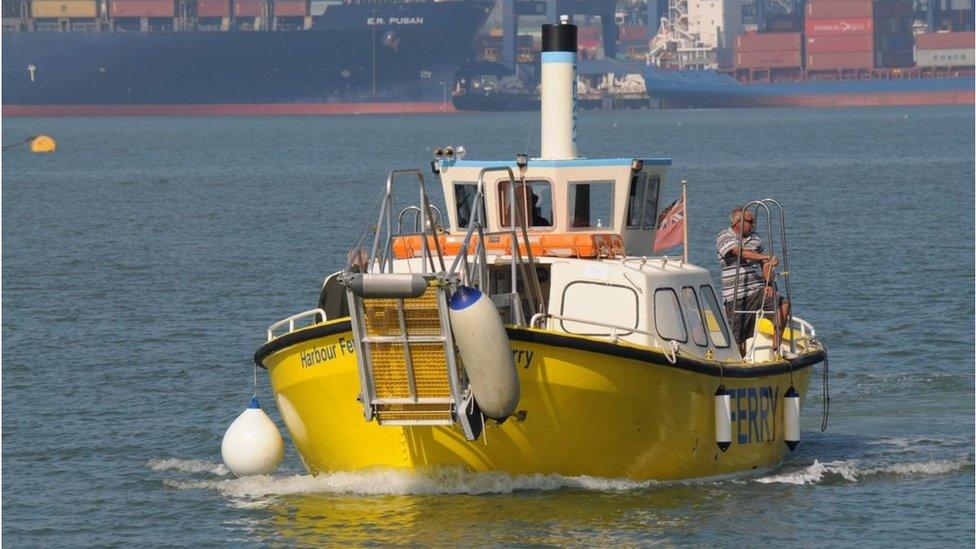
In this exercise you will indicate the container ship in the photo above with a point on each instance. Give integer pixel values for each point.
(212, 57)
(820, 53)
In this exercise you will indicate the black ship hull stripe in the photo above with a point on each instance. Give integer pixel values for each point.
(658, 358)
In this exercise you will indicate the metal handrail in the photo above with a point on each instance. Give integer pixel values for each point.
(613, 336)
(383, 257)
(756, 204)
(517, 222)
(290, 321)
(381, 254)
(436, 221)
(801, 331)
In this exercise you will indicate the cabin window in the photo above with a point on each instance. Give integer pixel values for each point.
(642, 201)
(591, 205)
(668, 320)
(464, 194)
(605, 303)
(714, 320)
(635, 201)
(692, 311)
(650, 202)
(532, 199)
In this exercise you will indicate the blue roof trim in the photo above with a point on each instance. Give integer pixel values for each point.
(558, 57)
(572, 163)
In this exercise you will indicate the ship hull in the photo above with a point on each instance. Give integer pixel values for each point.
(233, 109)
(704, 89)
(709, 89)
(404, 54)
(587, 407)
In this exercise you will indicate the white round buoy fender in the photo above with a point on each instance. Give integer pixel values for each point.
(483, 344)
(791, 418)
(723, 418)
(252, 444)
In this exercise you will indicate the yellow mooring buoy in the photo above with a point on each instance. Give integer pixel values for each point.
(43, 144)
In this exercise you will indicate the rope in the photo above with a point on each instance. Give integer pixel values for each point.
(673, 356)
(19, 143)
(254, 365)
(826, 390)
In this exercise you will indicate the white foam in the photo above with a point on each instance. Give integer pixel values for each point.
(187, 466)
(439, 481)
(851, 471)
(813, 474)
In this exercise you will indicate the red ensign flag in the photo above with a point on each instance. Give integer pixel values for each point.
(670, 226)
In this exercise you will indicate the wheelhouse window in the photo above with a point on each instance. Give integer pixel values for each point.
(668, 320)
(642, 201)
(591, 205)
(635, 201)
(464, 194)
(650, 202)
(692, 311)
(713, 318)
(533, 199)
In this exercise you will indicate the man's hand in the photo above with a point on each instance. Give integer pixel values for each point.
(770, 292)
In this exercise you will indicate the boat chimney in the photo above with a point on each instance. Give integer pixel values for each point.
(559, 90)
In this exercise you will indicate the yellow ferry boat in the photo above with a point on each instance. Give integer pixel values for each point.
(528, 333)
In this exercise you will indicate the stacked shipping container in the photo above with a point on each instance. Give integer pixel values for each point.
(839, 35)
(290, 8)
(857, 34)
(67, 9)
(781, 50)
(88, 9)
(945, 49)
(249, 8)
(142, 8)
(213, 8)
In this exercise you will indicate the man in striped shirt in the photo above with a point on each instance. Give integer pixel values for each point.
(756, 288)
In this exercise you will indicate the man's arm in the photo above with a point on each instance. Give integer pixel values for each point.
(750, 255)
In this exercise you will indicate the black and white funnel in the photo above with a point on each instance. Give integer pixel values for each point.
(559, 90)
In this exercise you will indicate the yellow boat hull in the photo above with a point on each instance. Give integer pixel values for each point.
(587, 407)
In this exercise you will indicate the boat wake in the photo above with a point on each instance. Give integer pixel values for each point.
(187, 466)
(459, 481)
(852, 471)
(435, 481)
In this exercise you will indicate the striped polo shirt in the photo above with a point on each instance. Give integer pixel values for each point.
(750, 275)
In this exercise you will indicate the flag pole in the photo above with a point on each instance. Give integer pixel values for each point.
(684, 199)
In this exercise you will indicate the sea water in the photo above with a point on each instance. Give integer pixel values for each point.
(143, 261)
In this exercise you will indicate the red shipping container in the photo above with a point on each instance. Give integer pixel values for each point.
(768, 60)
(817, 9)
(779, 41)
(290, 8)
(945, 40)
(840, 43)
(248, 8)
(835, 61)
(142, 8)
(633, 32)
(839, 26)
(213, 8)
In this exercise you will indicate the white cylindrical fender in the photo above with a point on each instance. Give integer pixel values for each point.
(723, 418)
(252, 444)
(386, 285)
(485, 352)
(791, 418)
